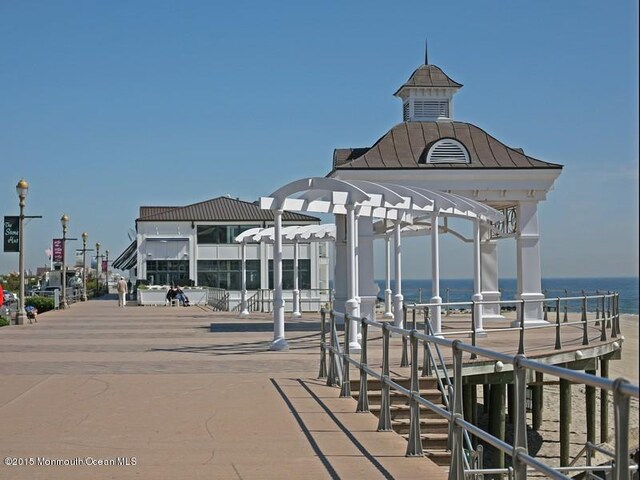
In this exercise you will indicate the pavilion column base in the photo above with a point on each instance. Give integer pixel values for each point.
(279, 345)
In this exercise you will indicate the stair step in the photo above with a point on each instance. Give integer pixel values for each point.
(433, 441)
(431, 425)
(375, 384)
(404, 411)
(397, 398)
(439, 457)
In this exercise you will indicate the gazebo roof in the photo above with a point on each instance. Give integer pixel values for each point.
(406, 145)
(429, 76)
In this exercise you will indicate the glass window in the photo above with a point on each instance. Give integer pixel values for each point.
(220, 234)
(167, 272)
(304, 274)
(227, 274)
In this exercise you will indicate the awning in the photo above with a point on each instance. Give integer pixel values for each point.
(127, 259)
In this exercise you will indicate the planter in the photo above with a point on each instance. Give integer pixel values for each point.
(157, 297)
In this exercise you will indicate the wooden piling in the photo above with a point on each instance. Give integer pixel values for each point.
(590, 397)
(497, 421)
(536, 401)
(604, 403)
(565, 422)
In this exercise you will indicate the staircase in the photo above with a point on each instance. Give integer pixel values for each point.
(434, 430)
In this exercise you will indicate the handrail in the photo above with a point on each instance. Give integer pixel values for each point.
(621, 388)
(609, 319)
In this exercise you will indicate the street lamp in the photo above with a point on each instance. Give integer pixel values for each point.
(64, 220)
(84, 266)
(97, 269)
(106, 270)
(21, 189)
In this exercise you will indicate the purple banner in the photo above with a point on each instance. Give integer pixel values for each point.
(104, 265)
(58, 250)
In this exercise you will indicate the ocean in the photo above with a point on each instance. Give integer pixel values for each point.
(461, 289)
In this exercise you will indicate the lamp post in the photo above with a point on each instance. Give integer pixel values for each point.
(97, 269)
(21, 189)
(84, 266)
(64, 220)
(106, 271)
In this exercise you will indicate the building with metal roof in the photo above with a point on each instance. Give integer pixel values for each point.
(194, 245)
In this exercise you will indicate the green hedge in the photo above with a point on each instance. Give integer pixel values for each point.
(43, 304)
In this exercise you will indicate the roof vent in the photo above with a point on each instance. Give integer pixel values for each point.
(448, 150)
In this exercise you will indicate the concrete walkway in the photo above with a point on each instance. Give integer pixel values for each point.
(154, 388)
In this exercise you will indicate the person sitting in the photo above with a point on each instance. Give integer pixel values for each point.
(172, 293)
(182, 298)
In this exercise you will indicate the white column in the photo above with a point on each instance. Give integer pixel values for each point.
(367, 288)
(279, 342)
(340, 273)
(387, 291)
(244, 311)
(477, 269)
(296, 291)
(489, 274)
(436, 311)
(528, 263)
(352, 306)
(398, 298)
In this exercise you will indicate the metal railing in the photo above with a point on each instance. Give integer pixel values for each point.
(338, 374)
(218, 299)
(605, 315)
(311, 299)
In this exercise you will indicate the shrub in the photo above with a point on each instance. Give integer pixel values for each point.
(3, 322)
(43, 304)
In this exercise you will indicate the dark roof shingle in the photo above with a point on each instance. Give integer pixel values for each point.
(406, 146)
(429, 76)
(217, 209)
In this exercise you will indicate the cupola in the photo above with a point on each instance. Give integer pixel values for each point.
(427, 95)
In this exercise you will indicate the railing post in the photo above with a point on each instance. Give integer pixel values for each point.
(566, 303)
(521, 339)
(621, 419)
(332, 375)
(426, 363)
(363, 395)
(456, 471)
(544, 306)
(404, 359)
(598, 310)
(414, 447)
(558, 345)
(384, 422)
(520, 427)
(616, 304)
(323, 348)
(473, 328)
(585, 333)
(345, 390)
(603, 324)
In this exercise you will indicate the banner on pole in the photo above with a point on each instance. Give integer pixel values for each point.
(11, 234)
(104, 265)
(79, 258)
(58, 250)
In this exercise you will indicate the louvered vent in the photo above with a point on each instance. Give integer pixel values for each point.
(448, 151)
(430, 109)
(405, 111)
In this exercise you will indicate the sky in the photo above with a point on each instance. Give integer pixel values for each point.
(109, 105)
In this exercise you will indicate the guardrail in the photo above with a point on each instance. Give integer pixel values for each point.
(337, 373)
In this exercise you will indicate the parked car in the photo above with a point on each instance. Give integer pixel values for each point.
(33, 291)
(10, 297)
(49, 291)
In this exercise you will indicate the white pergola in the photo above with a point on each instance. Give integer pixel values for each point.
(398, 204)
(290, 235)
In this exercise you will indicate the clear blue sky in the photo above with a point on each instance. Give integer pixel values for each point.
(109, 105)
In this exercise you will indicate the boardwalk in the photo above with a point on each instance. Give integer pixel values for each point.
(155, 387)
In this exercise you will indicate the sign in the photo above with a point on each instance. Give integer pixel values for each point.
(79, 258)
(11, 234)
(104, 265)
(58, 250)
